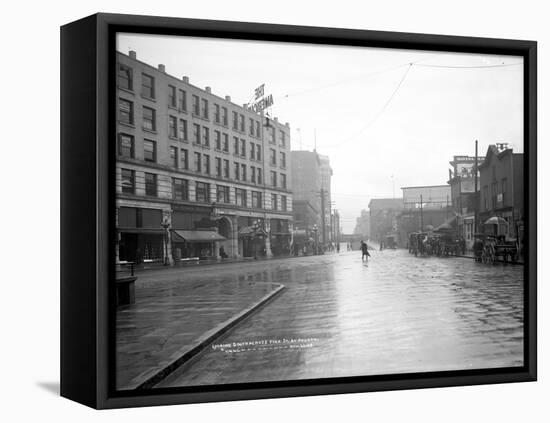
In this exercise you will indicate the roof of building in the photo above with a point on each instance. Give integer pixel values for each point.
(385, 203)
(226, 99)
(426, 186)
(494, 151)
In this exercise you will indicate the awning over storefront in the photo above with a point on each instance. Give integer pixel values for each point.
(496, 220)
(448, 225)
(141, 231)
(196, 236)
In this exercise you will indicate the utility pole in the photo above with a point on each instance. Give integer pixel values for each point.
(323, 215)
(315, 139)
(331, 230)
(476, 196)
(267, 228)
(421, 216)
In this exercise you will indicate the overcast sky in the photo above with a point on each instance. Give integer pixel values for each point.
(383, 122)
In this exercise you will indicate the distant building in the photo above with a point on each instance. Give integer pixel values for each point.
(424, 208)
(383, 213)
(306, 177)
(311, 180)
(362, 225)
(431, 196)
(502, 193)
(306, 227)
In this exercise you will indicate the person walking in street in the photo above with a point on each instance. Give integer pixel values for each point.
(364, 251)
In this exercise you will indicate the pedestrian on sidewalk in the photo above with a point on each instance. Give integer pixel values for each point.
(364, 251)
(223, 254)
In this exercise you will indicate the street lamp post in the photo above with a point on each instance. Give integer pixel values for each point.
(165, 225)
(315, 230)
(255, 226)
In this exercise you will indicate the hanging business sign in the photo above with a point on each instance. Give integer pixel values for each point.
(261, 101)
(464, 166)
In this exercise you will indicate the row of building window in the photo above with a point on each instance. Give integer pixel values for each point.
(180, 191)
(177, 99)
(201, 135)
(179, 159)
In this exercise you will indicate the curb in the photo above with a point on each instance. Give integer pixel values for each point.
(216, 263)
(155, 375)
(503, 262)
(499, 261)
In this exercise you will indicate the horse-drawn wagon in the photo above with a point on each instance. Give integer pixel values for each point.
(496, 246)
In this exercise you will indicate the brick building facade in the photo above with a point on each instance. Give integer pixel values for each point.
(195, 171)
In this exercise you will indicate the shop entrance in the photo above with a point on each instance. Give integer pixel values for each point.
(141, 248)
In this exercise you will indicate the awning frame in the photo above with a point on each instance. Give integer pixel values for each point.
(196, 236)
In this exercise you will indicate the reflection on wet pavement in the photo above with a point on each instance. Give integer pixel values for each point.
(170, 316)
(339, 317)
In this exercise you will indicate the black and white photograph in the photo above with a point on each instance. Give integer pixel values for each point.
(291, 211)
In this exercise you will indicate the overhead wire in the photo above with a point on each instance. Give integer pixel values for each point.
(340, 82)
(502, 65)
(377, 115)
(355, 78)
(400, 83)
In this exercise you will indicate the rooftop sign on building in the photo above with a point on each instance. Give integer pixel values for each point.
(463, 166)
(261, 102)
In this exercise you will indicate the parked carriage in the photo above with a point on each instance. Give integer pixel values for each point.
(449, 244)
(390, 241)
(497, 247)
(479, 243)
(422, 243)
(412, 243)
(490, 249)
(431, 244)
(438, 243)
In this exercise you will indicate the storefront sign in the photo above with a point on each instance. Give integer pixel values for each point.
(464, 166)
(464, 159)
(192, 209)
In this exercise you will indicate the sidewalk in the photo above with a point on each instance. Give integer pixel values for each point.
(172, 321)
(159, 266)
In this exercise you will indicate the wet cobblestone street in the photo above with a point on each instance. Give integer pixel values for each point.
(338, 317)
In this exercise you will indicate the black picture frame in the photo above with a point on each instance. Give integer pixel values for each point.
(87, 202)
